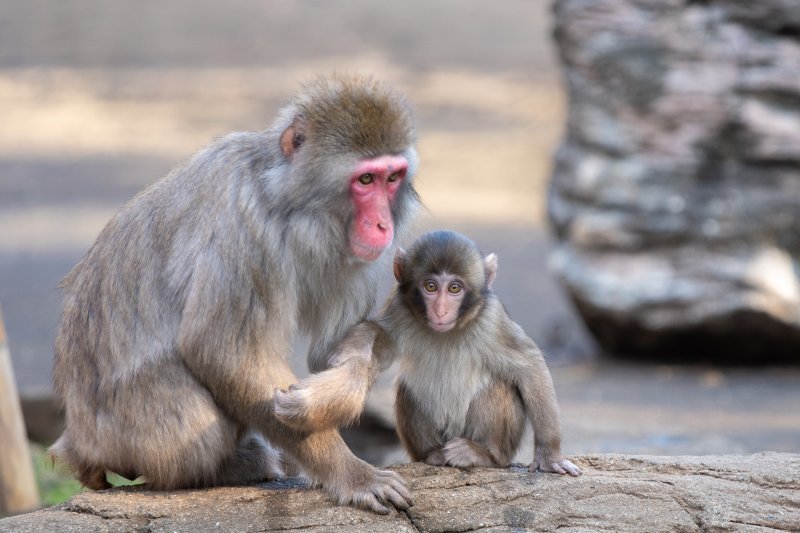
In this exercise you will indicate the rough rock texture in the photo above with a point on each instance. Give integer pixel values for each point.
(616, 493)
(676, 192)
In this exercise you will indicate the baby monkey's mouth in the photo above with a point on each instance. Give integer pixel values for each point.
(442, 326)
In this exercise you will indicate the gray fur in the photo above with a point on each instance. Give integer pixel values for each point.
(177, 323)
(457, 362)
(467, 380)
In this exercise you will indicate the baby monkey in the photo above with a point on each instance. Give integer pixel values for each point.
(469, 376)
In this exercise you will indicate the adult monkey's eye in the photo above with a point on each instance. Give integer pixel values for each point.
(366, 179)
(394, 176)
(430, 286)
(454, 288)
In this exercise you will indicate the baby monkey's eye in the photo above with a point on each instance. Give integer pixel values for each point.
(394, 176)
(430, 286)
(454, 288)
(366, 179)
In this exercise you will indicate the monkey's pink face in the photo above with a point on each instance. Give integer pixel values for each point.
(443, 295)
(373, 188)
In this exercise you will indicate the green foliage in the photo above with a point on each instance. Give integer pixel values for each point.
(119, 481)
(56, 483)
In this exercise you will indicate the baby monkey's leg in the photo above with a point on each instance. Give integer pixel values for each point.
(416, 430)
(493, 430)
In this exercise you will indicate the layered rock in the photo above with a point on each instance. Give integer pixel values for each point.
(616, 493)
(675, 195)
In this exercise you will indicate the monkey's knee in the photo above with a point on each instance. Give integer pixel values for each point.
(418, 434)
(255, 460)
(496, 420)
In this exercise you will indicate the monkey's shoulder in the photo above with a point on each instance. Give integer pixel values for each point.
(507, 331)
(227, 158)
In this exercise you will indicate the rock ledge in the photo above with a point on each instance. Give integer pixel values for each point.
(617, 493)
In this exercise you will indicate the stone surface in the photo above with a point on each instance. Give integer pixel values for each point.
(616, 493)
(676, 191)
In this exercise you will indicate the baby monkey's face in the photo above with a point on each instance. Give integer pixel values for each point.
(443, 295)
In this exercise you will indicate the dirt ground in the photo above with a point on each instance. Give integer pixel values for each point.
(100, 99)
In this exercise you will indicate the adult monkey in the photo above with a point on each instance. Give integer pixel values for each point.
(178, 322)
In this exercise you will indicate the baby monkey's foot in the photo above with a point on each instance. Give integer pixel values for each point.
(465, 453)
(554, 463)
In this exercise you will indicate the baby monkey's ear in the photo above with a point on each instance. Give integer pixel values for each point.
(399, 263)
(490, 267)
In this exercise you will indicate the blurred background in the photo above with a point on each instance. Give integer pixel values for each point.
(99, 99)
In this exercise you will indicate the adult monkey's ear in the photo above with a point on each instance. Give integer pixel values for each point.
(490, 267)
(293, 137)
(399, 263)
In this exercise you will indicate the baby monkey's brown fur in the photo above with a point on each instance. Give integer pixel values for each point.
(492, 430)
(463, 394)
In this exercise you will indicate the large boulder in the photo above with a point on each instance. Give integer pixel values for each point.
(616, 493)
(675, 195)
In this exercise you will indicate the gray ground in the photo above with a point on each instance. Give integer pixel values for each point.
(99, 99)
(619, 493)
